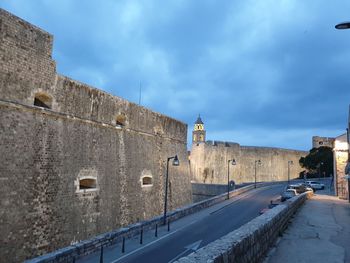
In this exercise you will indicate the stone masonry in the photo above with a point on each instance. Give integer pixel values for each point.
(75, 161)
(208, 162)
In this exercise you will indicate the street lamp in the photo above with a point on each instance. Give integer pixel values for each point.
(346, 25)
(257, 162)
(289, 163)
(319, 169)
(233, 162)
(175, 163)
(343, 25)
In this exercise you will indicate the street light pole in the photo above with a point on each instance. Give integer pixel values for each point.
(289, 163)
(320, 171)
(346, 25)
(256, 162)
(347, 167)
(175, 163)
(233, 162)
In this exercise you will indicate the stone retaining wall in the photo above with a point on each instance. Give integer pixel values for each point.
(202, 192)
(251, 242)
(89, 246)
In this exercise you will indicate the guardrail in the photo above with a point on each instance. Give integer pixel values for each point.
(75, 251)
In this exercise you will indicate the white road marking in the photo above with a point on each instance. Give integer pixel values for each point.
(191, 247)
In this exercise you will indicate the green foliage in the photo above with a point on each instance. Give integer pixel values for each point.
(318, 161)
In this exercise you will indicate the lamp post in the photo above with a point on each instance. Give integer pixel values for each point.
(257, 162)
(233, 162)
(289, 164)
(347, 167)
(175, 163)
(319, 169)
(346, 25)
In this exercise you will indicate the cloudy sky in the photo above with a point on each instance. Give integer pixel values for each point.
(264, 73)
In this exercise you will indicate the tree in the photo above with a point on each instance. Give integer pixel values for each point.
(319, 161)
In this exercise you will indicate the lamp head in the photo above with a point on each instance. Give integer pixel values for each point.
(233, 162)
(176, 161)
(344, 25)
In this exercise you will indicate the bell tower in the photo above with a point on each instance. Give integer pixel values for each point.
(198, 133)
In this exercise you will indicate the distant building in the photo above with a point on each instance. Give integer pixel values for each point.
(318, 141)
(198, 133)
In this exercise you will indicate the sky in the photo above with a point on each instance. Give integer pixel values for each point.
(260, 73)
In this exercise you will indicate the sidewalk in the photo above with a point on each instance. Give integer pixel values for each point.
(319, 232)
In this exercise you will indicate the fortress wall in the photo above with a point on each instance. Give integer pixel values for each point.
(25, 57)
(44, 155)
(86, 102)
(274, 163)
(208, 163)
(27, 68)
(46, 151)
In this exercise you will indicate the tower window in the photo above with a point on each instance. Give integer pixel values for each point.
(43, 100)
(198, 127)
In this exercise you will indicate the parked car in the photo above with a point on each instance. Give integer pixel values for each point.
(315, 185)
(300, 188)
(287, 194)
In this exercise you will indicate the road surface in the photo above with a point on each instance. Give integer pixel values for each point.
(192, 232)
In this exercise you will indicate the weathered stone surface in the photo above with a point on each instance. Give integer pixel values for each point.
(209, 163)
(85, 133)
(92, 245)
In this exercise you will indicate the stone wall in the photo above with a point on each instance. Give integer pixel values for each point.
(340, 158)
(78, 250)
(204, 191)
(251, 242)
(208, 163)
(85, 133)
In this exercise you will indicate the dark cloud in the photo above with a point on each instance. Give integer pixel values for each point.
(260, 72)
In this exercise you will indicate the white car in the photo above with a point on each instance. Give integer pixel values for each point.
(315, 185)
(300, 188)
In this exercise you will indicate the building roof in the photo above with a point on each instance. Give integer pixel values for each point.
(199, 120)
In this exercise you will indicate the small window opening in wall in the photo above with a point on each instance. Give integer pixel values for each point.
(120, 120)
(42, 100)
(87, 184)
(146, 181)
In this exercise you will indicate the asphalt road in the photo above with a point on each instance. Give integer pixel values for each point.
(190, 233)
